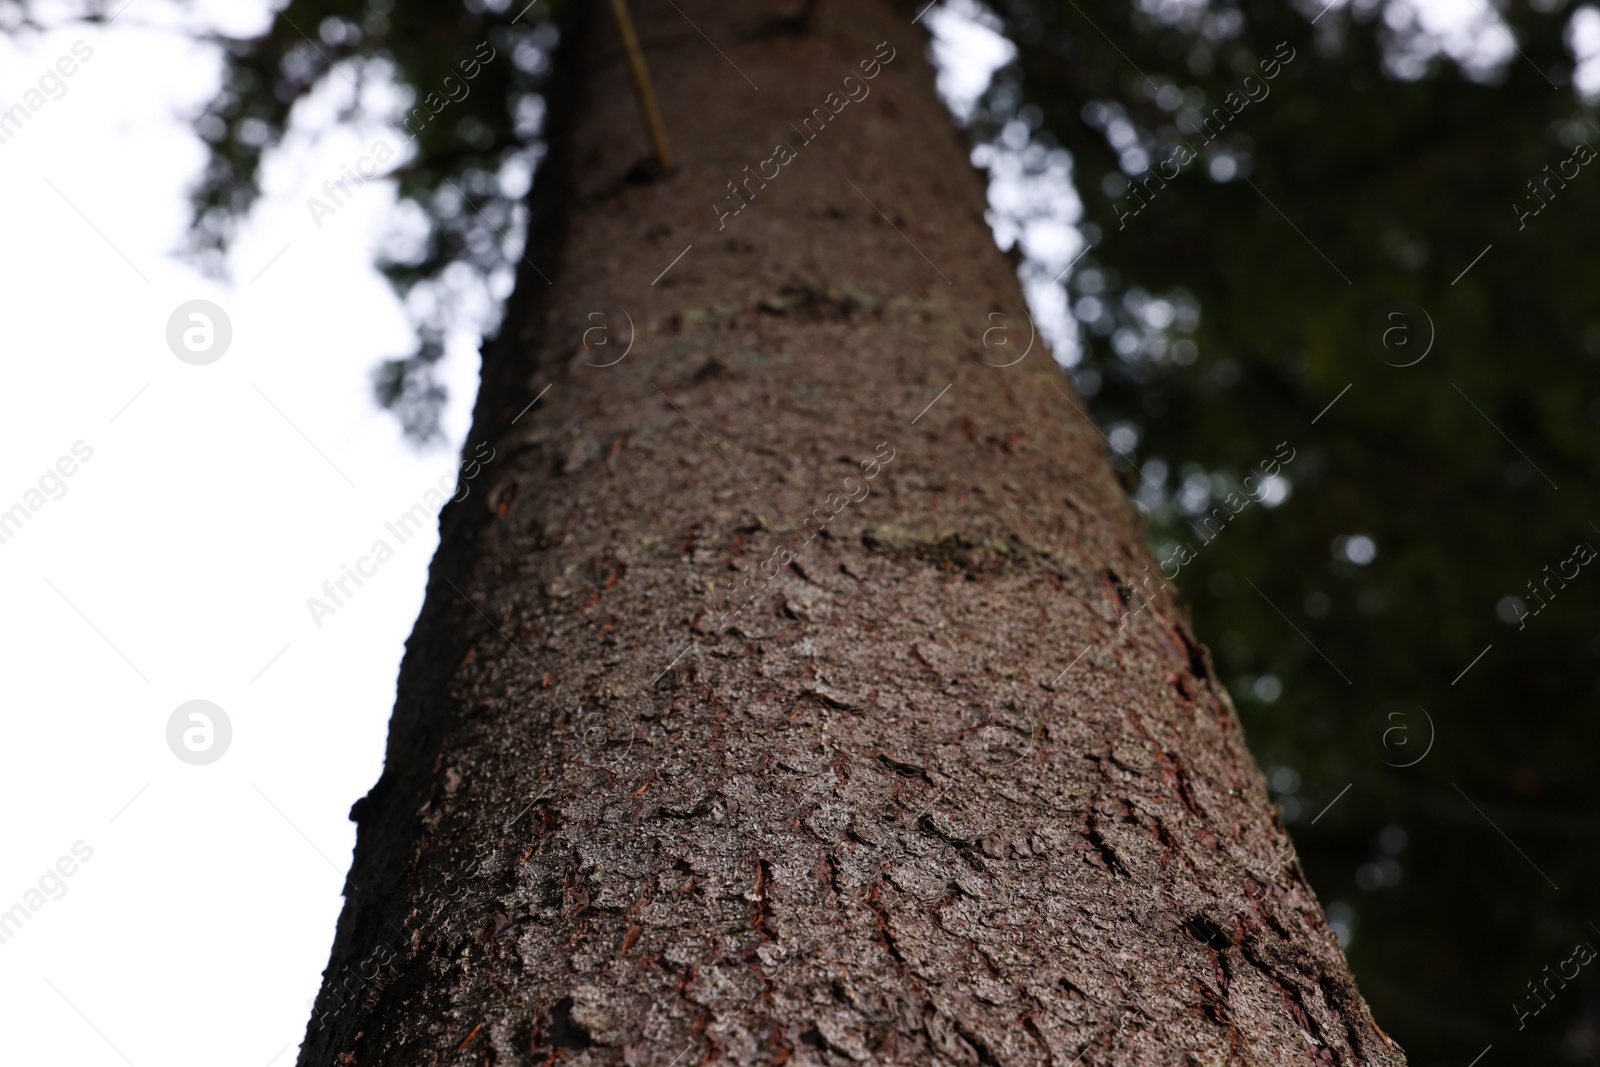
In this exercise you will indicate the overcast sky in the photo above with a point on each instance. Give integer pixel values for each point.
(175, 562)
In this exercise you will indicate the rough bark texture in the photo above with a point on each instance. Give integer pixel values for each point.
(874, 815)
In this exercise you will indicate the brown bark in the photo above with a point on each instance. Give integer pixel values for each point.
(874, 815)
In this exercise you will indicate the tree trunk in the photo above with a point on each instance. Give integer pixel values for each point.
(944, 777)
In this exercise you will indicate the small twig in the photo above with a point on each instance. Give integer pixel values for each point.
(641, 82)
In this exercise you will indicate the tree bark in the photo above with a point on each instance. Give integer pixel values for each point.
(945, 778)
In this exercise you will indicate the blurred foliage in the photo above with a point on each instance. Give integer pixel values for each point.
(1214, 328)
(469, 114)
(455, 88)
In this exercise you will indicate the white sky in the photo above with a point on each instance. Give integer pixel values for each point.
(190, 540)
(177, 564)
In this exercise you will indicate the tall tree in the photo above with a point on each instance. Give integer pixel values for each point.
(796, 685)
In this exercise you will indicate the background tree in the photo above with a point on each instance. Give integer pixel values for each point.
(471, 116)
